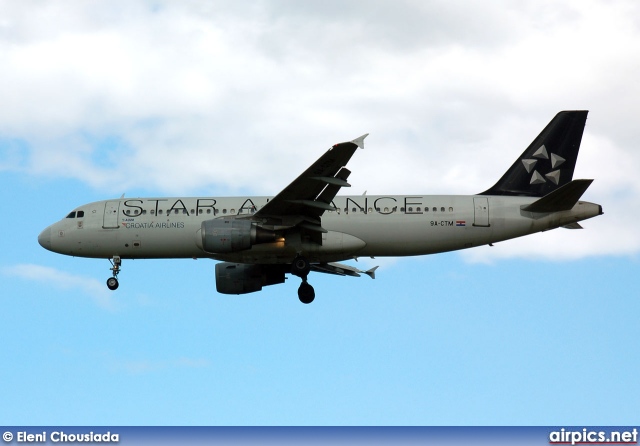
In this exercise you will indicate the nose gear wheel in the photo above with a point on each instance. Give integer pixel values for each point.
(112, 282)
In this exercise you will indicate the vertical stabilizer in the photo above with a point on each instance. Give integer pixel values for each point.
(549, 161)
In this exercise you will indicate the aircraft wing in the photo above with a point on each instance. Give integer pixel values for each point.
(303, 202)
(340, 269)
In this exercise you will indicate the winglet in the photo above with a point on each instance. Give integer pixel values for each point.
(360, 141)
(372, 272)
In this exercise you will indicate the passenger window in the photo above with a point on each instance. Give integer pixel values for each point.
(208, 211)
(192, 212)
(354, 210)
(442, 209)
(72, 215)
(152, 212)
(160, 212)
(401, 209)
(200, 211)
(232, 211)
(224, 211)
(410, 209)
(435, 209)
(386, 210)
(450, 209)
(370, 210)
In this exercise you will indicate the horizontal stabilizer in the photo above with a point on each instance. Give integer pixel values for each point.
(561, 199)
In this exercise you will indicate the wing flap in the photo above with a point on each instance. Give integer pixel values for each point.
(313, 204)
(332, 180)
(332, 189)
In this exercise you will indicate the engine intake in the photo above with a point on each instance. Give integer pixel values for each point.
(230, 235)
(241, 278)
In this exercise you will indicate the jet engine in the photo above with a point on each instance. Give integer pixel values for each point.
(241, 278)
(230, 235)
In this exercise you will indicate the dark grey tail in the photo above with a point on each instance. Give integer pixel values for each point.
(549, 161)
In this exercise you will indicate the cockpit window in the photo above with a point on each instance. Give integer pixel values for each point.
(72, 215)
(80, 214)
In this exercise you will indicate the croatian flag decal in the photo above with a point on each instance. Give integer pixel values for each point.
(461, 223)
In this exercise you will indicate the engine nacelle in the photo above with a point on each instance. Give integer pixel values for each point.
(241, 278)
(230, 235)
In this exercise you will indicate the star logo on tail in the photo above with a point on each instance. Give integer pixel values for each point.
(537, 177)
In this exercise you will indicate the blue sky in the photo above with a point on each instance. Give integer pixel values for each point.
(211, 99)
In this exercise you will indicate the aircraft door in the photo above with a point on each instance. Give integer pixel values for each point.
(480, 211)
(110, 220)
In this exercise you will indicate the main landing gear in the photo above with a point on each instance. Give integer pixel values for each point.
(112, 282)
(301, 267)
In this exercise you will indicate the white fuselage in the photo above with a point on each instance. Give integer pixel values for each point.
(381, 225)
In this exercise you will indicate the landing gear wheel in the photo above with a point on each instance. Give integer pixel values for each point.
(112, 283)
(306, 293)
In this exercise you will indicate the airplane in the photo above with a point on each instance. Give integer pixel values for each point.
(309, 227)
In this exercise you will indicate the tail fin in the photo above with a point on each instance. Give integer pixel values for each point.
(549, 161)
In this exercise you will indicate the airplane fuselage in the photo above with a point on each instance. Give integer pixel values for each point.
(372, 226)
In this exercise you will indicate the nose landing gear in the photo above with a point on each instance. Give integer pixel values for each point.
(301, 267)
(112, 282)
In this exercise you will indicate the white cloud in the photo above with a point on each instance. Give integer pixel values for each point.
(64, 281)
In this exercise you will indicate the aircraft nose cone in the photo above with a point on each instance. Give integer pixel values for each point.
(45, 239)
